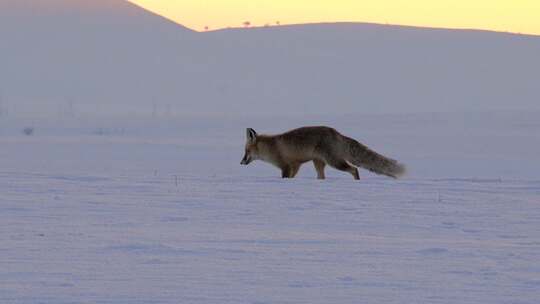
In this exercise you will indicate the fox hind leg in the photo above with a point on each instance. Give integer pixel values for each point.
(342, 165)
(319, 166)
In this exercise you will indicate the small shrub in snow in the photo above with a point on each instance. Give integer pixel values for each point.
(100, 132)
(28, 131)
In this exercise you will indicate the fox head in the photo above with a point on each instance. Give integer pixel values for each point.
(252, 152)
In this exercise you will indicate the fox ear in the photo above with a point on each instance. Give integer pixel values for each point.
(251, 135)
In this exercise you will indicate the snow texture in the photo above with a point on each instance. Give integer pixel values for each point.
(160, 211)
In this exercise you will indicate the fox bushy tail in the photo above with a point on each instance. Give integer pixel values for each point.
(366, 158)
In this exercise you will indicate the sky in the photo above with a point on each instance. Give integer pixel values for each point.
(517, 16)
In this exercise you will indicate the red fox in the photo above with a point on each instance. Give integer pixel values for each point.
(322, 145)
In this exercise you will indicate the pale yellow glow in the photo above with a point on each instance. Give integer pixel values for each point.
(518, 16)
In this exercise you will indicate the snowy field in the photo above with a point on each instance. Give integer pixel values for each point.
(160, 211)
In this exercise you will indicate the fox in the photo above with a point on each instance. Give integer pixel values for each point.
(323, 146)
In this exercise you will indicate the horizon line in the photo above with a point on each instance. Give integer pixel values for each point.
(467, 29)
(263, 26)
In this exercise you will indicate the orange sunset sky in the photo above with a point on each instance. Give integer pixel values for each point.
(518, 16)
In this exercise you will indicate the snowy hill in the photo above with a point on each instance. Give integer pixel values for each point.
(86, 52)
(113, 56)
(362, 68)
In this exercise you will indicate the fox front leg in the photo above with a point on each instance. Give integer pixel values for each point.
(294, 170)
(286, 172)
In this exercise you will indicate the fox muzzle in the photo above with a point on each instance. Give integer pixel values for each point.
(246, 160)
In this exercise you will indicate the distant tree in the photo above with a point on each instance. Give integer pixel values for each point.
(206, 28)
(247, 24)
(154, 110)
(70, 108)
(1, 105)
(278, 23)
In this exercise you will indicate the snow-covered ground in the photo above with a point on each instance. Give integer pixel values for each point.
(160, 211)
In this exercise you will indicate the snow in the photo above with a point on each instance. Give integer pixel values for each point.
(130, 188)
(160, 211)
(142, 239)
